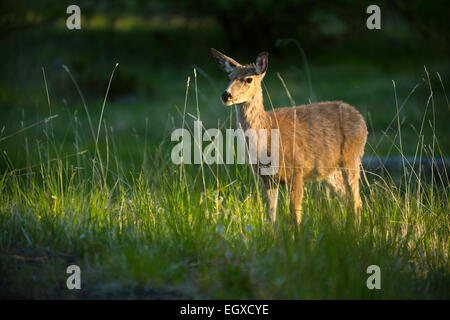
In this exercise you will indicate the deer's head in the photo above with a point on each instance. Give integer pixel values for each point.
(245, 80)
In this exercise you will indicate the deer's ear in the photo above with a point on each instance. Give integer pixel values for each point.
(225, 63)
(262, 61)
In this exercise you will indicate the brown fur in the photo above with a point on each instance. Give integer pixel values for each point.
(320, 141)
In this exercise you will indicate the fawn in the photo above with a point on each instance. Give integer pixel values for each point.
(320, 141)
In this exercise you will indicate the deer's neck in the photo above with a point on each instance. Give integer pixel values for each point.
(251, 114)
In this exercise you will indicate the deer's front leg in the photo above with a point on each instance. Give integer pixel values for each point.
(296, 195)
(272, 200)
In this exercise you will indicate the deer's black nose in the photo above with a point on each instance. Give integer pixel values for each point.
(225, 96)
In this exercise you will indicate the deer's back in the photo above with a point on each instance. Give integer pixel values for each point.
(319, 137)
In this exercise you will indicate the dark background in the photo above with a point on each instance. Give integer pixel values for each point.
(158, 43)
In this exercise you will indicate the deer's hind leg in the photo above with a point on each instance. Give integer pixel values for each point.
(350, 174)
(296, 196)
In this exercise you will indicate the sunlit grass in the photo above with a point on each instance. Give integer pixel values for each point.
(142, 227)
(158, 230)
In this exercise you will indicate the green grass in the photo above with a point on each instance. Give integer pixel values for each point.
(151, 229)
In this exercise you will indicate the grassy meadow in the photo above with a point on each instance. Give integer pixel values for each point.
(86, 176)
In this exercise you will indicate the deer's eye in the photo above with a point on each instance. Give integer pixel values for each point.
(249, 80)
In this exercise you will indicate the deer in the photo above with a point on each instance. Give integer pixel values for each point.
(321, 141)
